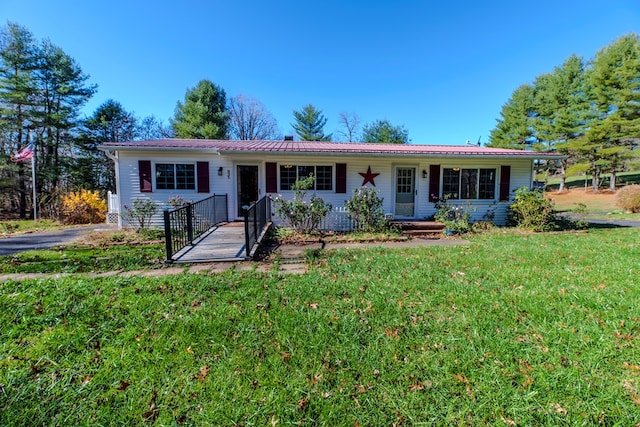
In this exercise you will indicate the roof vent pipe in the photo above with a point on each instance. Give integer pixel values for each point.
(288, 137)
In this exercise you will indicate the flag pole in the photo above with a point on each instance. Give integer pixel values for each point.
(33, 180)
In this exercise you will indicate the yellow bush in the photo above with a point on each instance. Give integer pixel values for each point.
(628, 198)
(83, 207)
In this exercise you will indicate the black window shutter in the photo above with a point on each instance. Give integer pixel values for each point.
(434, 183)
(144, 173)
(505, 180)
(271, 177)
(341, 178)
(203, 177)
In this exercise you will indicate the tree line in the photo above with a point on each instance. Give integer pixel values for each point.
(589, 111)
(43, 91)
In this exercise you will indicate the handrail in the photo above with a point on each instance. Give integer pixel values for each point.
(185, 224)
(256, 219)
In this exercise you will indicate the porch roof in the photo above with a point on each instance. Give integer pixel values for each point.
(317, 147)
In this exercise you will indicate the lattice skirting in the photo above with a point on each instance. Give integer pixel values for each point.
(112, 217)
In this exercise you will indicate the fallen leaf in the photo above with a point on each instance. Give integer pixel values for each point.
(559, 409)
(632, 367)
(202, 375)
(507, 421)
(123, 385)
(461, 378)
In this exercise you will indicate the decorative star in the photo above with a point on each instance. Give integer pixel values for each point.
(368, 177)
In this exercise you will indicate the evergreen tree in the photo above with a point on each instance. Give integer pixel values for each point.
(513, 129)
(309, 124)
(92, 169)
(615, 93)
(203, 115)
(382, 131)
(561, 111)
(17, 89)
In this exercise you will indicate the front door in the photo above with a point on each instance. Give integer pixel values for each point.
(247, 186)
(405, 192)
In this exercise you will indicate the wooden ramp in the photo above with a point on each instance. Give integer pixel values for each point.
(223, 243)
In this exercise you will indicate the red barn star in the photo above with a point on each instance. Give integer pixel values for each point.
(368, 177)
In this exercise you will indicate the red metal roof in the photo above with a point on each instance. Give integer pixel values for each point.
(292, 147)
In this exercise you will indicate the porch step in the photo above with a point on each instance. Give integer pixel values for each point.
(420, 228)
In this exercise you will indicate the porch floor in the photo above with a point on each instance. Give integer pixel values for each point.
(223, 243)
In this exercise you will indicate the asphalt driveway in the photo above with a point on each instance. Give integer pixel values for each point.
(32, 241)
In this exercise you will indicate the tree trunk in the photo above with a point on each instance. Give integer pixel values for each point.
(563, 176)
(612, 181)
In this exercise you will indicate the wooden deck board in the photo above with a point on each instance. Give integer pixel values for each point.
(224, 243)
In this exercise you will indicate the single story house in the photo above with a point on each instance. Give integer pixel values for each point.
(409, 177)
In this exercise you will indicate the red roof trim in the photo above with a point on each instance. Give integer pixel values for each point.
(321, 147)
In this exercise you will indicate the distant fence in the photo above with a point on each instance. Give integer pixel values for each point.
(256, 218)
(185, 224)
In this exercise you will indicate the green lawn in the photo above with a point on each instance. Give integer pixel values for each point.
(579, 181)
(20, 226)
(515, 329)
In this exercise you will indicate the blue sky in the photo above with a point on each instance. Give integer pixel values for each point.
(441, 69)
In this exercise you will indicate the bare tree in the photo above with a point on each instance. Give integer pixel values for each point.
(250, 120)
(351, 123)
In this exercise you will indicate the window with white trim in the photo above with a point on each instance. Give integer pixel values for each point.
(469, 184)
(323, 176)
(175, 176)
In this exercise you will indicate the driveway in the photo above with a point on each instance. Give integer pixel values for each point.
(32, 241)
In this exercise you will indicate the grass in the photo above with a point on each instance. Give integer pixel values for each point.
(98, 252)
(515, 329)
(580, 181)
(11, 227)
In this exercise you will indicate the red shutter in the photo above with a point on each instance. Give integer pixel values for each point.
(341, 178)
(203, 177)
(505, 180)
(144, 173)
(434, 183)
(271, 177)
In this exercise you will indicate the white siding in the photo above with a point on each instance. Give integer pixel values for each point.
(521, 175)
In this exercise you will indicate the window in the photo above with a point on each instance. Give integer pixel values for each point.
(323, 176)
(469, 183)
(170, 176)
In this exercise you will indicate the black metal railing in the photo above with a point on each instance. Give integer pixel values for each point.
(185, 224)
(256, 218)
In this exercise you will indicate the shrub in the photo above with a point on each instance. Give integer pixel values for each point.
(140, 212)
(628, 198)
(302, 216)
(365, 208)
(532, 210)
(457, 219)
(83, 207)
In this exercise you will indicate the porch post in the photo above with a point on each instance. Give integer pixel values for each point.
(167, 235)
(189, 224)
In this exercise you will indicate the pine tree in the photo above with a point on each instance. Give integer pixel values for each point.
(203, 115)
(309, 124)
(513, 129)
(615, 93)
(382, 131)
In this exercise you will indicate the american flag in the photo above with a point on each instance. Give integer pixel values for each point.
(25, 153)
